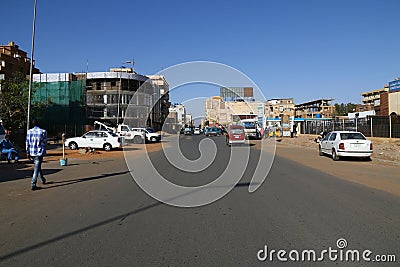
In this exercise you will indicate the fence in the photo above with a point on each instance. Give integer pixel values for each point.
(372, 126)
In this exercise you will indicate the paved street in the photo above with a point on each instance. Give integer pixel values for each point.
(94, 214)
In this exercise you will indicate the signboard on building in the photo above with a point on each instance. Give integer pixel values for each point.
(394, 86)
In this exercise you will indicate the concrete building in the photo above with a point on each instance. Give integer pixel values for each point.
(373, 97)
(276, 108)
(189, 120)
(65, 95)
(14, 60)
(103, 96)
(161, 109)
(390, 104)
(180, 111)
(108, 95)
(320, 108)
(229, 94)
(218, 111)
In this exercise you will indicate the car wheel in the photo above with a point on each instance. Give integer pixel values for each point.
(320, 151)
(335, 156)
(153, 139)
(137, 139)
(73, 146)
(367, 159)
(107, 147)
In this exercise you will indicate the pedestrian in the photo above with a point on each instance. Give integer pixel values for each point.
(36, 140)
(6, 147)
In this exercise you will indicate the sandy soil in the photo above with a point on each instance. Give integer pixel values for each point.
(384, 148)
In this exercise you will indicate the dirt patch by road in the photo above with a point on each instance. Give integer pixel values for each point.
(55, 153)
(375, 174)
(384, 148)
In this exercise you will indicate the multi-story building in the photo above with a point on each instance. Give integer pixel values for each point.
(229, 94)
(161, 108)
(276, 108)
(218, 111)
(64, 95)
(390, 104)
(180, 111)
(320, 108)
(212, 109)
(113, 97)
(373, 97)
(109, 94)
(14, 60)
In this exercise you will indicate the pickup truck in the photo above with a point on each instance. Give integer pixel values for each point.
(149, 134)
(122, 130)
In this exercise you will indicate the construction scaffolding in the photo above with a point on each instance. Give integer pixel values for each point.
(63, 95)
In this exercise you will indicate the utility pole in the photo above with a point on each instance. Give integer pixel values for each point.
(31, 67)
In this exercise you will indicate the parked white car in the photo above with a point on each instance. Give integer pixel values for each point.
(346, 144)
(96, 139)
(197, 131)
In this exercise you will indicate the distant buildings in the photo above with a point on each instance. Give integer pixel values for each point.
(320, 108)
(385, 101)
(107, 96)
(218, 111)
(14, 60)
(230, 94)
(373, 97)
(180, 112)
(278, 107)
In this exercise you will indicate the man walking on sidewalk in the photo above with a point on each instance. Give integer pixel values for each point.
(36, 140)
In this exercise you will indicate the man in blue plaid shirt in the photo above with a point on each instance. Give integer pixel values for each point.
(36, 141)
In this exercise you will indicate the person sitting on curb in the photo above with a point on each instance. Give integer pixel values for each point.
(6, 147)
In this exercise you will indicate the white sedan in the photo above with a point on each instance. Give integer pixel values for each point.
(346, 144)
(196, 131)
(95, 139)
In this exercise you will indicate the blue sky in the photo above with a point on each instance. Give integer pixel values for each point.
(289, 48)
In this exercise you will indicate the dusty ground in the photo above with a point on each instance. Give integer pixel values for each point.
(384, 148)
(56, 152)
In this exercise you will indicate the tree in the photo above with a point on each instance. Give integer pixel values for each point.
(344, 109)
(14, 102)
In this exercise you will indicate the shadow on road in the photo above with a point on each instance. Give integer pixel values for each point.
(119, 218)
(20, 172)
(80, 180)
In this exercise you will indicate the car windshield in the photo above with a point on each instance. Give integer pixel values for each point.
(249, 125)
(350, 136)
(150, 130)
(237, 131)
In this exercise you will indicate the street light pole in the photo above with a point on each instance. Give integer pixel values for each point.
(31, 67)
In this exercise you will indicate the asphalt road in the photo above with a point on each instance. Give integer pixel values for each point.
(94, 214)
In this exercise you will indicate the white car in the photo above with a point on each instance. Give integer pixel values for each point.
(96, 139)
(196, 131)
(346, 144)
